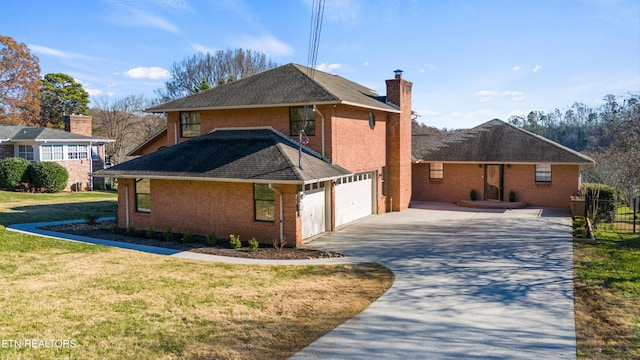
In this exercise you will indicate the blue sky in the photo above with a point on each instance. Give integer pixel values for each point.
(470, 60)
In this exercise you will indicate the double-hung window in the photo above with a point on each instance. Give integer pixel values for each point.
(52, 152)
(143, 195)
(95, 152)
(263, 202)
(436, 171)
(302, 118)
(543, 172)
(77, 152)
(25, 152)
(189, 124)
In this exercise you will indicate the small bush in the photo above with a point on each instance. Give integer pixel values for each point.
(512, 196)
(116, 229)
(234, 242)
(51, 176)
(91, 219)
(253, 244)
(211, 239)
(130, 231)
(472, 195)
(13, 172)
(602, 199)
(168, 234)
(187, 237)
(150, 232)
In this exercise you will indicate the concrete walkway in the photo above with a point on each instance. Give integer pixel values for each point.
(470, 284)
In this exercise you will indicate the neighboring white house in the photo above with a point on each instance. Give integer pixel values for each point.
(75, 148)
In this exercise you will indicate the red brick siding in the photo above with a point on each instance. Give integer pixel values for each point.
(210, 207)
(154, 146)
(459, 179)
(78, 124)
(399, 144)
(79, 171)
(6, 151)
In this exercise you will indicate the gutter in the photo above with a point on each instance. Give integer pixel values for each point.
(107, 173)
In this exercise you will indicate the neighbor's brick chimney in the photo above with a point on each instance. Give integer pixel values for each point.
(78, 124)
(399, 143)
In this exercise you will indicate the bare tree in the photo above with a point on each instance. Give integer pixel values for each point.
(123, 120)
(189, 75)
(19, 83)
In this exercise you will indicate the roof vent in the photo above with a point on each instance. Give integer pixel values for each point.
(398, 73)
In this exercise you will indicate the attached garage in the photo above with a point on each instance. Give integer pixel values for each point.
(354, 198)
(313, 209)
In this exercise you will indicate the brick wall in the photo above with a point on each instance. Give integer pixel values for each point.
(79, 171)
(6, 151)
(459, 179)
(228, 209)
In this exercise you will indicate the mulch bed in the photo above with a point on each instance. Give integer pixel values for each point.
(108, 230)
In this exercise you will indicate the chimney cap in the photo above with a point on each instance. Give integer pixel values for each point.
(398, 73)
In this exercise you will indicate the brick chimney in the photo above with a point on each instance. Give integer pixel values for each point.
(399, 143)
(78, 124)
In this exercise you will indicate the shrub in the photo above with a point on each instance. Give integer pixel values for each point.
(91, 219)
(211, 239)
(234, 242)
(150, 232)
(168, 234)
(13, 172)
(512, 196)
(51, 176)
(253, 244)
(472, 195)
(601, 199)
(187, 237)
(130, 231)
(116, 229)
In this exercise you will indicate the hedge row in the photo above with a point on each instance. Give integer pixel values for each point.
(18, 173)
(602, 199)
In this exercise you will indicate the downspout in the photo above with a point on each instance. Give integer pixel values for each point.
(175, 133)
(90, 165)
(281, 213)
(315, 109)
(126, 204)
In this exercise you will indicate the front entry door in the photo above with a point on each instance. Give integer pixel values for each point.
(493, 182)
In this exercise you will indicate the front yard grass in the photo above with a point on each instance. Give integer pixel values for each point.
(117, 304)
(607, 285)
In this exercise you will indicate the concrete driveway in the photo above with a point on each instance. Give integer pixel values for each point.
(470, 284)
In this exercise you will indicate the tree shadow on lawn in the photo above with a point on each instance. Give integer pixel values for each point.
(57, 212)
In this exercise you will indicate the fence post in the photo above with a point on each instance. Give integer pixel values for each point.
(635, 211)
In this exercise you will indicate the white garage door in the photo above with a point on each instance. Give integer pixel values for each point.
(353, 198)
(313, 210)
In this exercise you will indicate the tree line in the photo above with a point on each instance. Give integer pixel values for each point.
(28, 99)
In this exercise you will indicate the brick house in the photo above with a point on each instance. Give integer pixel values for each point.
(74, 148)
(285, 154)
(494, 159)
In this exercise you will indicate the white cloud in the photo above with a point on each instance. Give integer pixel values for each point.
(152, 72)
(139, 14)
(488, 95)
(328, 67)
(43, 50)
(536, 68)
(366, 63)
(202, 48)
(516, 68)
(267, 44)
(94, 92)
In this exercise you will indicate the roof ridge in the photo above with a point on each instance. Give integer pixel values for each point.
(296, 66)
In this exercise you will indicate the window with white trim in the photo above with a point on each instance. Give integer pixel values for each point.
(95, 152)
(543, 172)
(52, 152)
(77, 152)
(25, 152)
(436, 171)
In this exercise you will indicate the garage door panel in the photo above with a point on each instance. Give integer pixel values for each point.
(313, 213)
(353, 198)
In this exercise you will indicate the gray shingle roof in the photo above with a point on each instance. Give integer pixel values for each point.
(493, 142)
(21, 132)
(282, 86)
(257, 155)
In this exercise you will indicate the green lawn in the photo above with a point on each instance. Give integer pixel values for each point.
(607, 278)
(81, 301)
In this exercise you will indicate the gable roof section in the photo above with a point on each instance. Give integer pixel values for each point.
(162, 133)
(493, 142)
(25, 133)
(287, 85)
(246, 155)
